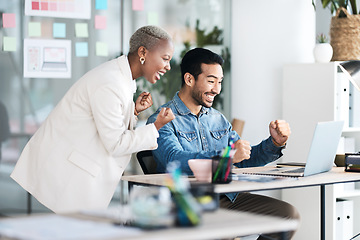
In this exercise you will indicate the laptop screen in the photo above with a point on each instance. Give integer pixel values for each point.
(323, 147)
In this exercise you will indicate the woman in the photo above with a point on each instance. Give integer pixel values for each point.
(76, 158)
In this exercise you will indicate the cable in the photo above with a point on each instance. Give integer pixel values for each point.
(355, 236)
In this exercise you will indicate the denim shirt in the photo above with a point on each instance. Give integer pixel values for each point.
(189, 136)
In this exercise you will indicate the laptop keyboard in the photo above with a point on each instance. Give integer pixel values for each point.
(297, 170)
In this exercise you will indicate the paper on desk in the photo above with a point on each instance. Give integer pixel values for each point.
(120, 214)
(59, 227)
(259, 178)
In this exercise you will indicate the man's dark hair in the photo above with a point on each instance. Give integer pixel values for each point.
(191, 62)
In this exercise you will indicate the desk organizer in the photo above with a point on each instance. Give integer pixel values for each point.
(352, 162)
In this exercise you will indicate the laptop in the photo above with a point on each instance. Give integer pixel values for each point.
(320, 158)
(54, 59)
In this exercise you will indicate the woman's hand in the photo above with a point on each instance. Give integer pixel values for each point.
(143, 102)
(165, 116)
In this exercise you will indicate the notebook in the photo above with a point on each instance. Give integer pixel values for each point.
(321, 154)
(54, 59)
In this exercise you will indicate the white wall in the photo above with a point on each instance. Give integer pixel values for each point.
(265, 36)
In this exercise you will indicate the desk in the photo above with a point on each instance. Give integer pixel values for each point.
(218, 224)
(336, 175)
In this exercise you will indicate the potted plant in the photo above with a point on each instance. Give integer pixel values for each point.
(323, 51)
(334, 5)
(344, 29)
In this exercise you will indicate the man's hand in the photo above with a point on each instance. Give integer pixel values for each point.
(165, 116)
(280, 132)
(143, 102)
(243, 150)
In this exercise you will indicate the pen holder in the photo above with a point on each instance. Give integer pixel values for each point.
(221, 169)
(188, 210)
(151, 207)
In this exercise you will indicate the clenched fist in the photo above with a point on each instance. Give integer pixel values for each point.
(143, 102)
(165, 116)
(279, 131)
(243, 150)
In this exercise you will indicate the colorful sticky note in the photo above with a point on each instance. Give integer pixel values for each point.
(81, 30)
(44, 6)
(138, 5)
(101, 4)
(153, 18)
(100, 22)
(53, 6)
(35, 5)
(101, 49)
(9, 44)
(34, 29)
(81, 49)
(59, 30)
(9, 20)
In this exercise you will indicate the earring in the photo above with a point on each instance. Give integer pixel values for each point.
(142, 60)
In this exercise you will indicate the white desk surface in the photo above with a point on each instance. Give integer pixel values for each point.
(336, 175)
(224, 224)
(215, 225)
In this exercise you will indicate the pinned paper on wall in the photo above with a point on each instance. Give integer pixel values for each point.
(9, 44)
(100, 22)
(153, 18)
(81, 49)
(47, 58)
(101, 4)
(9, 20)
(34, 29)
(101, 49)
(138, 5)
(59, 30)
(81, 30)
(80, 9)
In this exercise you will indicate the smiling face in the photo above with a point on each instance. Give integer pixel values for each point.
(157, 61)
(207, 85)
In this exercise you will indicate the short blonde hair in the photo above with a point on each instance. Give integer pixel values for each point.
(147, 36)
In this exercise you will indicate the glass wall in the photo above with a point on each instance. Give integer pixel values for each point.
(192, 23)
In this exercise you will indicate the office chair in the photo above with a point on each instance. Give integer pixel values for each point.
(238, 125)
(146, 161)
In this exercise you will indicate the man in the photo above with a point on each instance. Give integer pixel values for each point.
(199, 131)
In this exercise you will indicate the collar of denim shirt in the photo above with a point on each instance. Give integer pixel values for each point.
(182, 109)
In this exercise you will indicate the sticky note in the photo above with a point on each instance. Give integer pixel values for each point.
(153, 18)
(35, 5)
(81, 30)
(59, 30)
(101, 4)
(53, 6)
(81, 49)
(9, 20)
(101, 49)
(44, 6)
(100, 22)
(9, 44)
(138, 5)
(34, 29)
